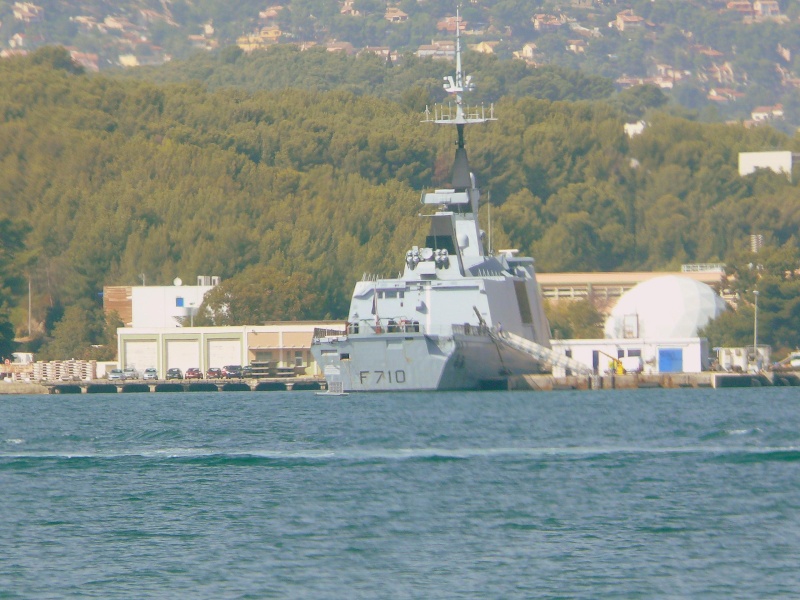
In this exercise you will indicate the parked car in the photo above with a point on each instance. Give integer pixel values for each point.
(214, 373)
(193, 373)
(150, 373)
(232, 372)
(174, 373)
(116, 375)
(131, 373)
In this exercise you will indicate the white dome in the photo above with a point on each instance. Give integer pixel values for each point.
(664, 307)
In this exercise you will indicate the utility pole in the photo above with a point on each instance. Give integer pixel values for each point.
(755, 332)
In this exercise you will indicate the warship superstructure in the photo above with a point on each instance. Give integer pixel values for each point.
(446, 323)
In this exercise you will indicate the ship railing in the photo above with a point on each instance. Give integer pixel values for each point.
(467, 329)
(380, 326)
(449, 113)
(321, 333)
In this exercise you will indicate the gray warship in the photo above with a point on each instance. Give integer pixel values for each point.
(460, 317)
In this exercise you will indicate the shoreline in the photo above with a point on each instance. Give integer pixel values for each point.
(16, 387)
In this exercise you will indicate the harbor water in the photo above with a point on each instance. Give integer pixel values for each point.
(689, 493)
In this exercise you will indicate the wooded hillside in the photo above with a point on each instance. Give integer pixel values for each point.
(298, 193)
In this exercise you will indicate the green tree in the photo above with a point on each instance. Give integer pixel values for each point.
(574, 319)
(80, 334)
(259, 294)
(11, 282)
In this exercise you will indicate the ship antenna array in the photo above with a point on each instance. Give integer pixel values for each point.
(455, 112)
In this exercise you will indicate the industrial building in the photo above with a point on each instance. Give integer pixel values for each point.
(285, 346)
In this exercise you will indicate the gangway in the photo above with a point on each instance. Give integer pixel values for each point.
(545, 355)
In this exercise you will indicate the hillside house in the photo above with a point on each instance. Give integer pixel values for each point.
(743, 7)
(270, 34)
(348, 9)
(250, 42)
(395, 15)
(118, 23)
(18, 41)
(705, 51)
(449, 24)
(766, 8)
(546, 23)
(89, 61)
(767, 113)
(722, 73)
(85, 23)
(441, 50)
(627, 20)
(724, 95)
(345, 47)
(483, 47)
(576, 46)
(269, 16)
(7, 53)
(27, 12)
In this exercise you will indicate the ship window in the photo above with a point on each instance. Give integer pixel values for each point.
(344, 356)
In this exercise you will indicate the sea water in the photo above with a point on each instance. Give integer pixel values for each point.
(605, 494)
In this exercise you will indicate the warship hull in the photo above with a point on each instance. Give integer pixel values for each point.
(469, 360)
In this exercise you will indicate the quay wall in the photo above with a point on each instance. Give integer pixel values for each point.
(544, 383)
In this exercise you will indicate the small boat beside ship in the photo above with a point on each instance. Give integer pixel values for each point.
(459, 317)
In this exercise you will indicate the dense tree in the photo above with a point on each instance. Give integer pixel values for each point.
(574, 319)
(259, 294)
(298, 193)
(12, 236)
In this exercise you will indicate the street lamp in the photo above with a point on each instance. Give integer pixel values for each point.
(755, 332)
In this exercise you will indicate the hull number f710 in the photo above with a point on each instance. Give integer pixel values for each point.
(382, 376)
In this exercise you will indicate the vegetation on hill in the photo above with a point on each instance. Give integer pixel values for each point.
(292, 195)
(412, 81)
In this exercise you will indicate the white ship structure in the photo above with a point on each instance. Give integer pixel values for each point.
(459, 317)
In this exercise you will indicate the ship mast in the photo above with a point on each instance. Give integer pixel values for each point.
(463, 115)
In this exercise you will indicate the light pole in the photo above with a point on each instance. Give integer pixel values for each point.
(755, 332)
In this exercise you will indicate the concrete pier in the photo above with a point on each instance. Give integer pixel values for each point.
(102, 386)
(528, 382)
(708, 379)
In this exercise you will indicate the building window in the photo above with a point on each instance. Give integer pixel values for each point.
(179, 302)
(299, 359)
(634, 352)
(263, 356)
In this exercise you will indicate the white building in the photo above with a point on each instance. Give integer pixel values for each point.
(652, 329)
(166, 306)
(158, 306)
(778, 162)
(677, 355)
(284, 345)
